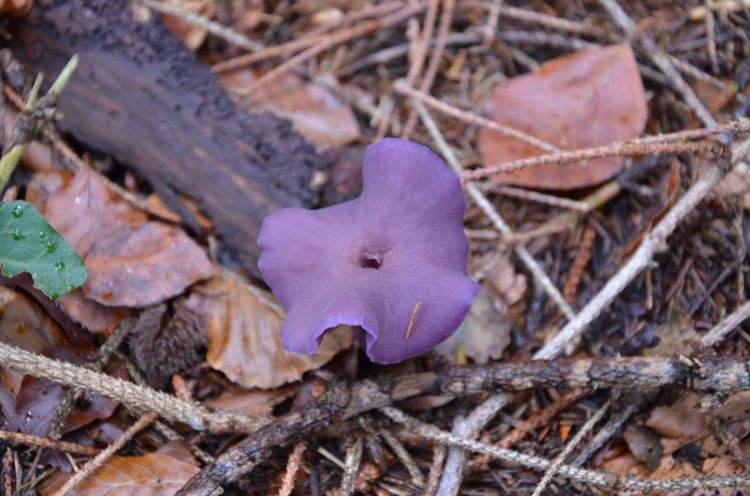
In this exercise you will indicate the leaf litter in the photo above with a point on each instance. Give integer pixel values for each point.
(540, 81)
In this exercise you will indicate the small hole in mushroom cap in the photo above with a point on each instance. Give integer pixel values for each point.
(369, 260)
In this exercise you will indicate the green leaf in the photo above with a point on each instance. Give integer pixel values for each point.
(29, 244)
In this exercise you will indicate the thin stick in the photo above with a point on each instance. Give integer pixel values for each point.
(654, 241)
(214, 28)
(604, 480)
(620, 149)
(19, 437)
(106, 454)
(436, 470)
(492, 213)
(336, 39)
(134, 397)
(292, 467)
(469, 428)
(310, 39)
(659, 58)
(559, 459)
(351, 467)
(730, 322)
(403, 455)
(403, 88)
(551, 22)
(446, 18)
(535, 196)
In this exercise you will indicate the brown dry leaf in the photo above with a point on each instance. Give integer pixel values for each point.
(132, 262)
(675, 337)
(28, 403)
(644, 445)
(503, 280)
(243, 335)
(682, 420)
(585, 99)
(485, 331)
(257, 403)
(161, 473)
(315, 112)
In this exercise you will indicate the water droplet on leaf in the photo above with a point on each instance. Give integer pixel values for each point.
(60, 266)
(51, 246)
(17, 235)
(17, 211)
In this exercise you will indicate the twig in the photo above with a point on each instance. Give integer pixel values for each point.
(604, 480)
(555, 201)
(569, 447)
(542, 418)
(446, 18)
(212, 27)
(551, 22)
(489, 210)
(436, 470)
(730, 322)
(627, 406)
(654, 241)
(620, 149)
(340, 401)
(106, 454)
(403, 88)
(351, 466)
(581, 259)
(19, 437)
(333, 40)
(135, 397)
(310, 39)
(659, 58)
(292, 467)
(469, 428)
(403, 456)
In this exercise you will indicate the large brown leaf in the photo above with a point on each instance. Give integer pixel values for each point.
(585, 99)
(161, 473)
(28, 404)
(132, 262)
(243, 335)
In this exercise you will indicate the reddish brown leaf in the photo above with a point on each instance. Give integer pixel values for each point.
(585, 99)
(132, 262)
(28, 403)
(243, 336)
(258, 403)
(160, 473)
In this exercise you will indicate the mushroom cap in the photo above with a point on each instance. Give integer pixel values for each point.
(393, 260)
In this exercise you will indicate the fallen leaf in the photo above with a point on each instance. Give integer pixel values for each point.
(161, 473)
(644, 444)
(132, 262)
(243, 335)
(682, 420)
(28, 403)
(675, 336)
(315, 112)
(581, 100)
(485, 331)
(193, 36)
(257, 403)
(504, 281)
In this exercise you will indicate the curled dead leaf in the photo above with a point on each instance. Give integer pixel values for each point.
(243, 335)
(586, 99)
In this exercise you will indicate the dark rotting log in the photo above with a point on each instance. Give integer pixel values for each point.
(141, 96)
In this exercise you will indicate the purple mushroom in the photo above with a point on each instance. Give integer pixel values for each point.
(392, 261)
